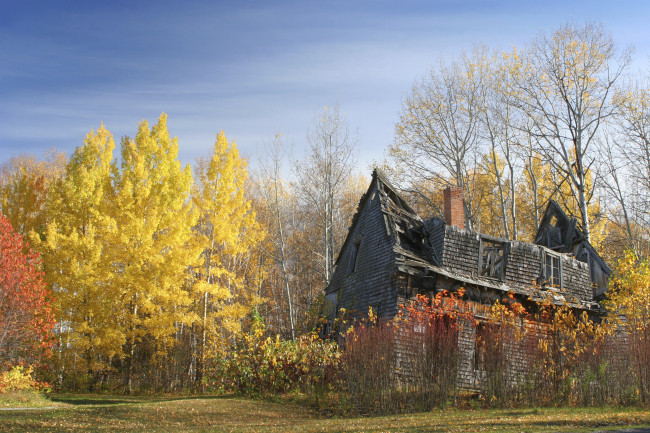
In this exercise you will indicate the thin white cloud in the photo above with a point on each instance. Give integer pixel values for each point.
(247, 70)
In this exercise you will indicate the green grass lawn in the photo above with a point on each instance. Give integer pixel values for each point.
(92, 412)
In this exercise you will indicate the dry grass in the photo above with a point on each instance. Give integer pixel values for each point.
(96, 413)
(25, 398)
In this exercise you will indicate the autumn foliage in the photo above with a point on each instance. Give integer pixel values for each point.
(409, 363)
(261, 364)
(26, 318)
(629, 302)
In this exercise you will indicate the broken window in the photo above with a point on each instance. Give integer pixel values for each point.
(493, 254)
(551, 269)
(354, 254)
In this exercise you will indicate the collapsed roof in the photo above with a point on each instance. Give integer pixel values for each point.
(560, 266)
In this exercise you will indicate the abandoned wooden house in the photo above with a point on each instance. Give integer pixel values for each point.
(390, 255)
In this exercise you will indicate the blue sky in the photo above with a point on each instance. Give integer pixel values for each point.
(249, 68)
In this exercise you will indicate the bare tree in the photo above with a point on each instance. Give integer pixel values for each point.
(329, 160)
(620, 198)
(500, 121)
(566, 91)
(437, 136)
(624, 169)
(274, 195)
(527, 152)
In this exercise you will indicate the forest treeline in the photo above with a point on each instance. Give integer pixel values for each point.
(154, 271)
(562, 118)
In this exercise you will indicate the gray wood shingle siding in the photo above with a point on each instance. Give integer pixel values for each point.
(460, 250)
(524, 263)
(370, 285)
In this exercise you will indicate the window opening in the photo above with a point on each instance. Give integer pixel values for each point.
(479, 347)
(552, 270)
(354, 254)
(492, 258)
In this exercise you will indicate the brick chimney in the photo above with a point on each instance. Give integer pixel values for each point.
(454, 210)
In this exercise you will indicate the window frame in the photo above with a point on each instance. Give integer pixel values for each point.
(551, 280)
(354, 256)
(504, 257)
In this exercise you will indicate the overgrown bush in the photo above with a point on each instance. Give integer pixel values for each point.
(629, 305)
(259, 364)
(20, 378)
(421, 360)
(367, 373)
(407, 364)
(553, 356)
(549, 356)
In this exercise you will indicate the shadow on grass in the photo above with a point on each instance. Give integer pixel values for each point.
(522, 413)
(111, 400)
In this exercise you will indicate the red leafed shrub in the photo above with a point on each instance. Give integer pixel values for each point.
(26, 319)
(409, 363)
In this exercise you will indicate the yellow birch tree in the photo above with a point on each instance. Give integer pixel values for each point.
(628, 302)
(72, 251)
(227, 230)
(153, 246)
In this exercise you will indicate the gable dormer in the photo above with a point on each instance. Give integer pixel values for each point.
(559, 232)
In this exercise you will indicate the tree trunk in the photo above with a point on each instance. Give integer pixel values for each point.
(513, 201)
(502, 203)
(283, 259)
(130, 354)
(200, 360)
